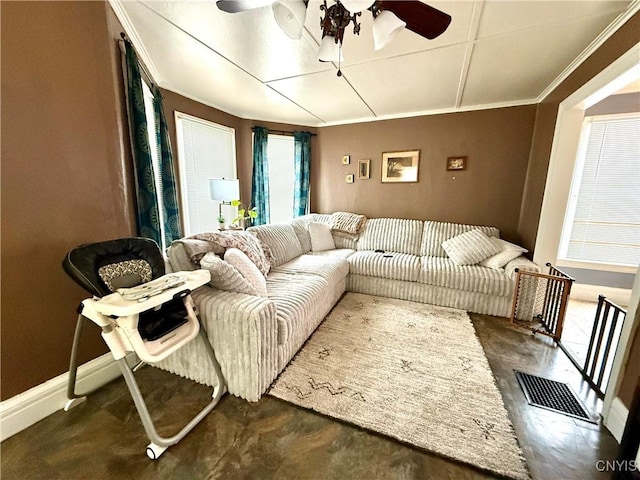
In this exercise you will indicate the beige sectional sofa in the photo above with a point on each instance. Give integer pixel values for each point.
(255, 337)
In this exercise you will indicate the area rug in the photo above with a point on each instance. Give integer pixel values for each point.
(411, 371)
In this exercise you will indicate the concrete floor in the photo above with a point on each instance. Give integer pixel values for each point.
(103, 437)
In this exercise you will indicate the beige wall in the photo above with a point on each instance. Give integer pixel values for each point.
(496, 143)
(63, 180)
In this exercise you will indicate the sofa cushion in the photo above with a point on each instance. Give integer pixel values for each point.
(281, 239)
(437, 232)
(340, 241)
(321, 238)
(391, 234)
(331, 268)
(443, 272)
(247, 269)
(396, 266)
(338, 253)
(301, 227)
(296, 296)
(470, 247)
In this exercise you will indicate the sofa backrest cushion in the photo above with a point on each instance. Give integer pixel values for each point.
(437, 232)
(281, 238)
(301, 227)
(391, 234)
(179, 258)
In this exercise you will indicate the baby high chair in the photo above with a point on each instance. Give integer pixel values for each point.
(140, 310)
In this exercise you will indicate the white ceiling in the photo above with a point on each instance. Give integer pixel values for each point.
(494, 53)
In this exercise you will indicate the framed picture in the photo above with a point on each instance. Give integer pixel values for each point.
(456, 163)
(364, 169)
(400, 166)
(349, 178)
(346, 159)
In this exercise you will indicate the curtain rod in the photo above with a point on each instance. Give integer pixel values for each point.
(281, 132)
(143, 67)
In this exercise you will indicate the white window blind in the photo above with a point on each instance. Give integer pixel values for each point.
(603, 221)
(205, 150)
(280, 154)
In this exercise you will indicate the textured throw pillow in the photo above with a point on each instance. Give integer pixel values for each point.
(224, 276)
(321, 238)
(247, 268)
(508, 251)
(470, 247)
(259, 252)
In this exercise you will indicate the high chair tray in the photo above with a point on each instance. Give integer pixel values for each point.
(149, 295)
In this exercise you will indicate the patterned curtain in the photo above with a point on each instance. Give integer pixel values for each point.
(170, 207)
(147, 223)
(260, 177)
(302, 159)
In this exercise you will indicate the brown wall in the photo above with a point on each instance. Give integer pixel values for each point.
(496, 143)
(63, 180)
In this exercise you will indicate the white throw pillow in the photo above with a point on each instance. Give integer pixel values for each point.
(470, 247)
(321, 238)
(248, 269)
(224, 276)
(508, 251)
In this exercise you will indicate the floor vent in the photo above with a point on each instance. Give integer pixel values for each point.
(552, 395)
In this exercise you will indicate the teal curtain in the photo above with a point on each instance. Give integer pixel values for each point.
(260, 177)
(302, 160)
(147, 219)
(170, 207)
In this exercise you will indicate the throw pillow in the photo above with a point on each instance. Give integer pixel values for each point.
(470, 247)
(224, 276)
(508, 251)
(321, 238)
(247, 269)
(259, 252)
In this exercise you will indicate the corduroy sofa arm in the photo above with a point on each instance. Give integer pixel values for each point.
(521, 263)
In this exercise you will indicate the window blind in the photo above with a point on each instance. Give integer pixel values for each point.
(280, 152)
(605, 226)
(205, 150)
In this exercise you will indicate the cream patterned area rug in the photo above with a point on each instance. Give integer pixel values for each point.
(411, 371)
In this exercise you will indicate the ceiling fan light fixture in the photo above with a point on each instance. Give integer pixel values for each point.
(355, 6)
(290, 16)
(330, 50)
(385, 28)
(235, 6)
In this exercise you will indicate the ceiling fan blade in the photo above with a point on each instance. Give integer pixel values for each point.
(235, 6)
(419, 17)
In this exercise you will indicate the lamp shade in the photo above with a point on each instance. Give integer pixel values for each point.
(385, 28)
(290, 16)
(329, 50)
(223, 190)
(355, 6)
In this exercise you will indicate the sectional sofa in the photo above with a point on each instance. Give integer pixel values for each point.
(255, 336)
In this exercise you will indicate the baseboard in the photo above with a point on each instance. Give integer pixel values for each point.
(27, 408)
(617, 418)
(583, 291)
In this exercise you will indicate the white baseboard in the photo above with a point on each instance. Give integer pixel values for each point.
(583, 291)
(27, 408)
(616, 419)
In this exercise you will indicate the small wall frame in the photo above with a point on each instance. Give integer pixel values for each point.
(346, 159)
(456, 163)
(364, 169)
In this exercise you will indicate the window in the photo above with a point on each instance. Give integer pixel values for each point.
(602, 225)
(280, 154)
(205, 150)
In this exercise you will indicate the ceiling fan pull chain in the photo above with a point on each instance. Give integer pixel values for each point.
(340, 60)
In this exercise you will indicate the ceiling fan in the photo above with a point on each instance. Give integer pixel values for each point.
(390, 17)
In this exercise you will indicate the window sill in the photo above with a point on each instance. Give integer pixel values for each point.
(603, 267)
